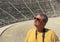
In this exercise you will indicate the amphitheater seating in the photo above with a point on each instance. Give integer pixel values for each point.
(10, 15)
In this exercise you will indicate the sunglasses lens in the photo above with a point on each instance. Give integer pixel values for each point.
(34, 17)
(37, 18)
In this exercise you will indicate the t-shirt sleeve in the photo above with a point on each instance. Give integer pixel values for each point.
(54, 37)
(27, 36)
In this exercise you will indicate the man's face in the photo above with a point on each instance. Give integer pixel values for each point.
(38, 21)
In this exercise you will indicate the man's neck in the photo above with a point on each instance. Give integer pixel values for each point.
(40, 29)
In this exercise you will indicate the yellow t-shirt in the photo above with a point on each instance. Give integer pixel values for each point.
(50, 36)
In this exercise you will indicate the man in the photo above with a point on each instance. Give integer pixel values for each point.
(40, 33)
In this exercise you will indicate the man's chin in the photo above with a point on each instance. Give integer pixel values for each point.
(35, 25)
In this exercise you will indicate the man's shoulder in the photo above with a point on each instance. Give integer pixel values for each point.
(32, 30)
(50, 31)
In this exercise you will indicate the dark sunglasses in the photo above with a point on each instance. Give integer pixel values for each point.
(37, 18)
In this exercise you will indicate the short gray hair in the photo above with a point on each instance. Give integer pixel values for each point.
(45, 19)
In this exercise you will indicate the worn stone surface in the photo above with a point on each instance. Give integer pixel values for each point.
(17, 32)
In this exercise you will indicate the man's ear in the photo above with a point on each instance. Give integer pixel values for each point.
(44, 23)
